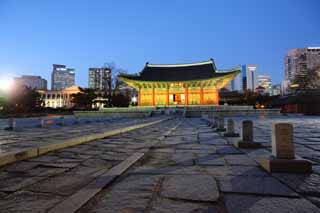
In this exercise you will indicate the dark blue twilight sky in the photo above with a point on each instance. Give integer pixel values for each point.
(34, 34)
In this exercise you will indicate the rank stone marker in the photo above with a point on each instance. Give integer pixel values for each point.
(221, 124)
(214, 122)
(230, 129)
(283, 158)
(247, 136)
(282, 141)
(11, 124)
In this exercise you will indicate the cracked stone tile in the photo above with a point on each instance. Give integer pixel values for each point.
(45, 158)
(240, 160)
(182, 159)
(184, 170)
(227, 150)
(192, 187)
(83, 170)
(61, 185)
(14, 183)
(43, 171)
(25, 201)
(131, 194)
(97, 163)
(222, 171)
(138, 183)
(256, 185)
(308, 184)
(254, 204)
(210, 160)
(167, 205)
(21, 166)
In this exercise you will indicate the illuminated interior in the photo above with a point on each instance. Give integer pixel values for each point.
(200, 92)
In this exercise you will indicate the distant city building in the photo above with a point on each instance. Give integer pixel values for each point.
(246, 80)
(301, 61)
(250, 80)
(34, 82)
(59, 98)
(62, 77)
(284, 87)
(265, 82)
(100, 79)
(276, 89)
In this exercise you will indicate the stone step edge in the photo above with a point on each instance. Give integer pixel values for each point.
(26, 153)
(77, 200)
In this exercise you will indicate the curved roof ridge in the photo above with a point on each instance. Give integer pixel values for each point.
(210, 61)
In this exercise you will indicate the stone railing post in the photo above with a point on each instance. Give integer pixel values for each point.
(247, 136)
(231, 129)
(283, 158)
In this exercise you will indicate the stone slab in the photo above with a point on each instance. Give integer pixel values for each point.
(192, 187)
(24, 201)
(74, 202)
(27, 153)
(286, 165)
(247, 145)
(231, 135)
(223, 171)
(169, 206)
(255, 185)
(254, 204)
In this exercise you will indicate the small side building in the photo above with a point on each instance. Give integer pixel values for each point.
(59, 98)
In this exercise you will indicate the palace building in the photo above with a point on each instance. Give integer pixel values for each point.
(179, 84)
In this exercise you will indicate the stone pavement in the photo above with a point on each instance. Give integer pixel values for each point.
(193, 169)
(34, 137)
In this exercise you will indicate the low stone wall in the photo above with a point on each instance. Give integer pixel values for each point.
(114, 113)
(234, 111)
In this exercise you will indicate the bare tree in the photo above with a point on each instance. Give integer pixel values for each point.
(114, 83)
(314, 78)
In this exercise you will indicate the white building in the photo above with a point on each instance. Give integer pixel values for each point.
(59, 98)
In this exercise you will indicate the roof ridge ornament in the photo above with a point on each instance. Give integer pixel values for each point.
(180, 65)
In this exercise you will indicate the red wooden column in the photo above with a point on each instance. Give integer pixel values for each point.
(153, 97)
(186, 101)
(201, 95)
(217, 96)
(139, 97)
(167, 98)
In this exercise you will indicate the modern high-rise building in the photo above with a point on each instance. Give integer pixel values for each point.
(246, 80)
(100, 79)
(265, 82)
(284, 87)
(62, 77)
(34, 82)
(250, 77)
(301, 61)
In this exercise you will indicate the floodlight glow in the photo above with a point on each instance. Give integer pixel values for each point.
(134, 99)
(6, 84)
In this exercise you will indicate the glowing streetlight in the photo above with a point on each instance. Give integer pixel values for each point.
(6, 84)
